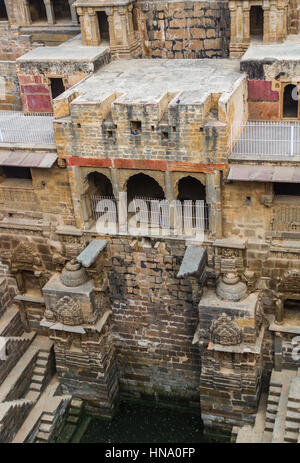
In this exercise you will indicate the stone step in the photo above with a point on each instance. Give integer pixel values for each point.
(32, 395)
(275, 385)
(293, 406)
(47, 418)
(73, 419)
(274, 391)
(35, 387)
(273, 400)
(43, 436)
(39, 371)
(76, 403)
(37, 379)
(270, 417)
(279, 425)
(41, 363)
(269, 429)
(44, 355)
(291, 437)
(46, 427)
(74, 411)
(291, 426)
(272, 409)
(293, 416)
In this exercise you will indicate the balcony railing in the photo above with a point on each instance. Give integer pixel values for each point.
(265, 139)
(17, 128)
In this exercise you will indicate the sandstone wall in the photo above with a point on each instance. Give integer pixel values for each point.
(184, 29)
(47, 198)
(190, 137)
(154, 319)
(12, 44)
(10, 99)
(243, 214)
(6, 296)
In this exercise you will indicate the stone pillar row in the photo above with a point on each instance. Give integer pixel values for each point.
(26, 18)
(123, 42)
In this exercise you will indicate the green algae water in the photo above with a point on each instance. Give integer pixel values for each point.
(142, 424)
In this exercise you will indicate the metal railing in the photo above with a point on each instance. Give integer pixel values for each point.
(15, 127)
(265, 138)
(156, 213)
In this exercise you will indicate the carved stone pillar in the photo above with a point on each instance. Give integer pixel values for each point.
(213, 198)
(90, 34)
(232, 8)
(115, 180)
(24, 14)
(73, 12)
(266, 37)
(49, 12)
(246, 22)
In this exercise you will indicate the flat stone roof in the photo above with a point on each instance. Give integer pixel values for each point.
(286, 51)
(70, 51)
(143, 80)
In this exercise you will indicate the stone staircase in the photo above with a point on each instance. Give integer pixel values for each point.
(11, 413)
(292, 422)
(282, 412)
(42, 370)
(42, 420)
(74, 415)
(272, 405)
(24, 383)
(50, 419)
(30, 402)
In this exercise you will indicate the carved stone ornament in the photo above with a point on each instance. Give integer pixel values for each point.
(74, 274)
(25, 253)
(67, 311)
(225, 331)
(230, 288)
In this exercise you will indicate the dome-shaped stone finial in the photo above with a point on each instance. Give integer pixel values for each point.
(73, 274)
(230, 288)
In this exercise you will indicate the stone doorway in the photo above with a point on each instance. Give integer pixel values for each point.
(37, 10)
(3, 11)
(256, 22)
(290, 101)
(62, 11)
(57, 87)
(103, 25)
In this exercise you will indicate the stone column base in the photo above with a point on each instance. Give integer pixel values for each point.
(237, 50)
(134, 50)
